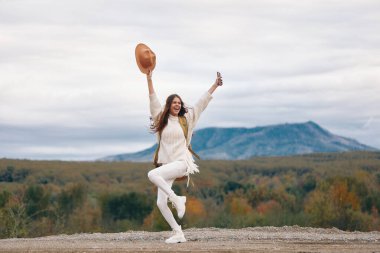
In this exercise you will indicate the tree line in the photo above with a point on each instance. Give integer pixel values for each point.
(39, 198)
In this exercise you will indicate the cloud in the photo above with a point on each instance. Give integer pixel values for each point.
(39, 142)
(70, 86)
(367, 124)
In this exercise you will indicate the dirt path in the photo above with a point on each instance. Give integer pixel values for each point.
(258, 239)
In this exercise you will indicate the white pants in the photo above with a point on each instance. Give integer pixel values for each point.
(163, 177)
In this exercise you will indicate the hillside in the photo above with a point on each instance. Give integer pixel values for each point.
(244, 143)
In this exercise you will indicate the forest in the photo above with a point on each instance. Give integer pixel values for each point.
(40, 198)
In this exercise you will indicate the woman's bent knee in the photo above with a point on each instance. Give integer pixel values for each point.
(151, 175)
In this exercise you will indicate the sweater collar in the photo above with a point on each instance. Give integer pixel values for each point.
(171, 117)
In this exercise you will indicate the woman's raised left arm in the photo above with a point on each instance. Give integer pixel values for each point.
(204, 100)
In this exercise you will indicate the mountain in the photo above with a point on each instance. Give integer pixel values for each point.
(245, 143)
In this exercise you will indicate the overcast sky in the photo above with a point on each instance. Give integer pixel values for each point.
(70, 88)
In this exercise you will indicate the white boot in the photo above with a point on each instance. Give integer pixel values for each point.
(178, 236)
(179, 204)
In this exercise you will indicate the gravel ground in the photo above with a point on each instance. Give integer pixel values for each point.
(257, 239)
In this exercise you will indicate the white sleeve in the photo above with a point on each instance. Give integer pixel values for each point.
(155, 106)
(200, 106)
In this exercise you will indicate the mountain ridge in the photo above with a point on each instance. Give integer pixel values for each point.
(244, 143)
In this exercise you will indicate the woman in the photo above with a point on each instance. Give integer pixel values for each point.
(174, 154)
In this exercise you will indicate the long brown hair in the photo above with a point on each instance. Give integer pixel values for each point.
(162, 120)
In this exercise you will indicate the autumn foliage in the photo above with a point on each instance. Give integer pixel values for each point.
(39, 198)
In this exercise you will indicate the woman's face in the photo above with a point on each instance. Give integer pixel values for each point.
(175, 107)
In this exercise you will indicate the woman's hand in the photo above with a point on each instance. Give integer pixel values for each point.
(219, 80)
(149, 75)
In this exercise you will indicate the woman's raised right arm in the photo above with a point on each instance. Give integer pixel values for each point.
(150, 82)
(155, 106)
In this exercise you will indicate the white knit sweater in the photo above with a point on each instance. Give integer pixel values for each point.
(173, 146)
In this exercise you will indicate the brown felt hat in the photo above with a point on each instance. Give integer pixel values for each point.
(145, 58)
